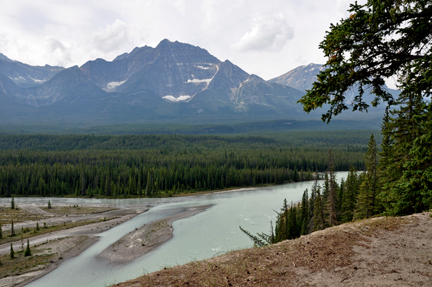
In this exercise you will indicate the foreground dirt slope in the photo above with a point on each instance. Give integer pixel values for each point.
(374, 252)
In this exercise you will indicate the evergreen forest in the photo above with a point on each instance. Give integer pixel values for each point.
(167, 165)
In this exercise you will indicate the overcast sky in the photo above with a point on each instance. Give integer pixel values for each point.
(266, 38)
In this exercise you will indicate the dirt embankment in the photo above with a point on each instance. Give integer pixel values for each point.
(146, 238)
(375, 252)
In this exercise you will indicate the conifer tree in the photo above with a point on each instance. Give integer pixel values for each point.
(13, 203)
(27, 251)
(108, 186)
(1, 232)
(340, 196)
(49, 204)
(366, 199)
(314, 189)
(12, 229)
(319, 221)
(304, 219)
(332, 192)
(12, 253)
(82, 183)
(350, 195)
(139, 188)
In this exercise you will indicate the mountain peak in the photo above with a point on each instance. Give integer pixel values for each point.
(166, 43)
(4, 58)
(300, 78)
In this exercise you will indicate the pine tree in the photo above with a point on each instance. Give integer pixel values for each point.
(12, 229)
(315, 187)
(332, 192)
(13, 203)
(108, 186)
(12, 253)
(304, 218)
(82, 183)
(366, 199)
(1, 232)
(139, 188)
(350, 195)
(372, 170)
(319, 221)
(410, 160)
(27, 251)
(340, 196)
(49, 204)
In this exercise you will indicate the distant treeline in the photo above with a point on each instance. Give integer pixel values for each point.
(349, 139)
(134, 166)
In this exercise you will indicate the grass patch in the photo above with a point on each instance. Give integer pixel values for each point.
(30, 232)
(21, 264)
(77, 210)
(17, 215)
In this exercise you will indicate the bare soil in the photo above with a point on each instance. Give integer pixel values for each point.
(384, 251)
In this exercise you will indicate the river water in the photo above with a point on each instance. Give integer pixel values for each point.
(207, 234)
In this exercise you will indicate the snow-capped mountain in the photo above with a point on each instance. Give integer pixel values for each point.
(303, 77)
(24, 75)
(171, 81)
(300, 78)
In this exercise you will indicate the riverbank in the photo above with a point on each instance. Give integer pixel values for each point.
(50, 249)
(146, 238)
(385, 251)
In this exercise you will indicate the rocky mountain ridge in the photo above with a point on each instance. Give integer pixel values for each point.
(24, 75)
(171, 82)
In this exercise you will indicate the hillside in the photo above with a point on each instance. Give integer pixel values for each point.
(385, 251)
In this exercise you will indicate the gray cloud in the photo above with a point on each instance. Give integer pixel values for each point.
(58, 51)
(255, 35)
(269, 33)
(112, 38)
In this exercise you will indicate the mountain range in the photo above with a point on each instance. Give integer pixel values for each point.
(173, 82)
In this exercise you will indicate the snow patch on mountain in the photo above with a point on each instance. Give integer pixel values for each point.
(197, 81)
(38, 81)
(113, 85)
(202, 67)
(178, 99)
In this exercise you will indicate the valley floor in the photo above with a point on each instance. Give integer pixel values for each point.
(384, 251)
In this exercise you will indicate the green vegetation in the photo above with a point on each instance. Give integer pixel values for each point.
(12, 252)
(362, 52)
(260, 127)
(165, 165)
(354, 198)
(383, 40)
(22, 264)
(27, 251)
